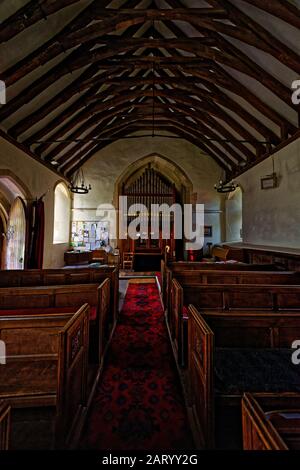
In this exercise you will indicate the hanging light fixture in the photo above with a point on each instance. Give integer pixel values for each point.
(222, 187)
(78, 185)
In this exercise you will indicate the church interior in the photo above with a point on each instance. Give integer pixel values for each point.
(117, 342)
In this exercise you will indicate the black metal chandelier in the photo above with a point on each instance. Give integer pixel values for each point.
(222, 187)
(78, 185)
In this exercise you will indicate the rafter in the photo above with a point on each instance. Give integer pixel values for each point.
(50, 49)
(30, 14)
(281, 8)
(178, 97)
(139, 67)
(219, 76)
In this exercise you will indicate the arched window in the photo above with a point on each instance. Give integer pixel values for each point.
(16, 236)
(62, 214)
(234, 216)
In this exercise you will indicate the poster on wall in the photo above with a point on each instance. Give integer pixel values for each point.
(90, 235)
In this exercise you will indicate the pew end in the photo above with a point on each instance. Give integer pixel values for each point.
(45, 377)
(271, 421)
(201, 346)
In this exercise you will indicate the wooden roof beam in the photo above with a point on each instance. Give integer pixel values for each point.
(219, 76)
(51, 48)
(208, 106)
(253, 69)
(31, 13)
(247, 27)
(281, 8)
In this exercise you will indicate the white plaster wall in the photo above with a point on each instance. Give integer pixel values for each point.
(234, 210)
(272, 217)
(38, 180)
(105, 167)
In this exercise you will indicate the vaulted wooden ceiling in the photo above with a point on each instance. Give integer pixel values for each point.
(82, 74)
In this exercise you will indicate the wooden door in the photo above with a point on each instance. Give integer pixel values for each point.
(16, 236)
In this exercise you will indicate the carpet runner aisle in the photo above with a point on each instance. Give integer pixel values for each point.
(139, 403)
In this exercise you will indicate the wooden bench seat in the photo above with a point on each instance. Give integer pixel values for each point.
(225, 298)
(216, 409)
(46, 368)
(29, 300)
(61, 277)
(271, 423)
(195, 273)
(39, 311)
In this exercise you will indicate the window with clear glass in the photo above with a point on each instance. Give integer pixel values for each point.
(62, 214)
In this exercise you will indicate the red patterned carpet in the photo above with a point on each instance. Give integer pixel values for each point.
(139, 403)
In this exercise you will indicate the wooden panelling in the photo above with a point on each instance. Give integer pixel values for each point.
(257, 331)
(259, 433)
(47, 369)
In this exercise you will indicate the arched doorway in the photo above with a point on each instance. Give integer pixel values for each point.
(153, 179)
(14, 200)
(234, 216)
(16, 236)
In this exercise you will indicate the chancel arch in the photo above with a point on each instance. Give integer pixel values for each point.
(151, 180)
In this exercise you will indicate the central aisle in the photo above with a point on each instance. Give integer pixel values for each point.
(139, 403)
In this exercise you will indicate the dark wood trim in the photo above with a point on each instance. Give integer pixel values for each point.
(25, 149)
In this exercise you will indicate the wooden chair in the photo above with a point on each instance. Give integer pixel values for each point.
(99, 256)
(128, 261)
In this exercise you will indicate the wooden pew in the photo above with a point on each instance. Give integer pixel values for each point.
(5, 410)
(30, 299)
(226, 253)
(264, 429)
(46, 369)
(68, 276)
(230, 354)
(237, 277)
(225, 297)
(207, 277)
(207, 273)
